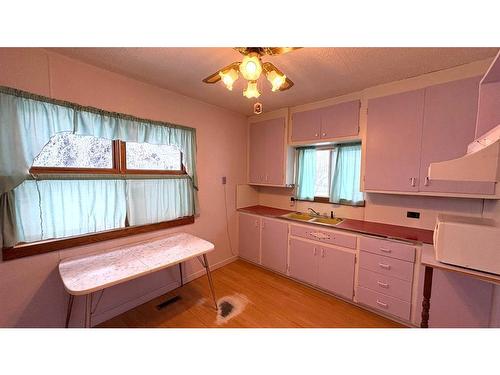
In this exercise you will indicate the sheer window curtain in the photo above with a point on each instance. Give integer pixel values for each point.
(28, 121)
(306, 173)
(345, 175)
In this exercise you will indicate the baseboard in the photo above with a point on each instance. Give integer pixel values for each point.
(120, 309)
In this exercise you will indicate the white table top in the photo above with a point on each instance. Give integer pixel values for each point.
(93, 272)
(429, 259)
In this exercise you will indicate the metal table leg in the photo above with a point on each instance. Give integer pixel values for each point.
(426, 302)
(88, 310)
(210, 281)
(70, 307)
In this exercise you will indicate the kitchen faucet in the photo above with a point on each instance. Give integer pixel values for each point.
(314, 212)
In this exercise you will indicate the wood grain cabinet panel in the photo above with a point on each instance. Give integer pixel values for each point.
(274, 244)
(393, 140)
(249, 237)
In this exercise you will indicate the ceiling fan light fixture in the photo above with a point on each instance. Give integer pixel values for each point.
(251, 91)
(276, 79)
(229, 77)
(251, 67)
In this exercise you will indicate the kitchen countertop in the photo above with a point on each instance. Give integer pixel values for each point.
(359, 226)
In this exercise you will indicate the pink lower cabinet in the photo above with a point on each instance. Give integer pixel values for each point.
(385, 277)
(303, 261)
(329, 268)
(249, 237)
(274, 244)
(336, 271)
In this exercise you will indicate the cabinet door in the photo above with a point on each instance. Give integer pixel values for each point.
(304, 261)
(249, 237)
(274, 151)
(393, 139)
(306, 126)
(274, 244)
(336, 271)
(340, 120)
(449, 125)
(257, 150)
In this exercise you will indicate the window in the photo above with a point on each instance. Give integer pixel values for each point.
(70, 153)
(72, 175)
(59, 207)
(330, 174)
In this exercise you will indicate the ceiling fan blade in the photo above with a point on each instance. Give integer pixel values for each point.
(215, 77)
(272, 51)
(288, 84)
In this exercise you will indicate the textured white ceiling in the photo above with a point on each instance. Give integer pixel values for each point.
(318, 73)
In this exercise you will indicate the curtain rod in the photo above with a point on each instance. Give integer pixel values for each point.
(28, 95)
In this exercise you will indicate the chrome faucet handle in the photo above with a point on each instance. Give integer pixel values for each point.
(314, 211)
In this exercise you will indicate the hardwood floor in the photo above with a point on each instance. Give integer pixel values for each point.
(272, 301)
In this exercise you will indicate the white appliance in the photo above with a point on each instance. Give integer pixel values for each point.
(468, 242)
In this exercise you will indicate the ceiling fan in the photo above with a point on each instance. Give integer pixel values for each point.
(251, 68)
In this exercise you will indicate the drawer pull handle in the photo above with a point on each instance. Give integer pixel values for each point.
(385, 250)
(385, 266)
(322, 253)
(314, 251)
(383, 285)
(384, 305)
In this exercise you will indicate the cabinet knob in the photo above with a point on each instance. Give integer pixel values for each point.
(315, 251)
(413, 181)
(427, 181)
(322, 253)
(324, 134)
(316, 134)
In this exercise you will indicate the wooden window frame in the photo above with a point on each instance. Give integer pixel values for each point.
(21, 250)
(119, 155)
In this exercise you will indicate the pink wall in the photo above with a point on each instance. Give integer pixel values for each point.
(31, 293)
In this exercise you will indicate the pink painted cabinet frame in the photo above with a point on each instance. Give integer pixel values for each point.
(274, 244)
(267, 152)
(335, 121)
(249, 237)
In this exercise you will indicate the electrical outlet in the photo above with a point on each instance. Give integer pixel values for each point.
(413, 214)
(223, 180)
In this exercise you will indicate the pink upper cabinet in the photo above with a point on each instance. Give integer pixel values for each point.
(489, 100)
(306, 125)
(256, 156)
(266, 152)
(393, 142)
(274, 244)
(449, 125)
(336, 121)
(275, 151)
(340, 120)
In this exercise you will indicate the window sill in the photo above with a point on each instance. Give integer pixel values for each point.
(41, 247)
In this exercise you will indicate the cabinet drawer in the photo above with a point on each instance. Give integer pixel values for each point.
(385, 284)
(328, 237)
(379, 301)
(386, 266)
(388, 248)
